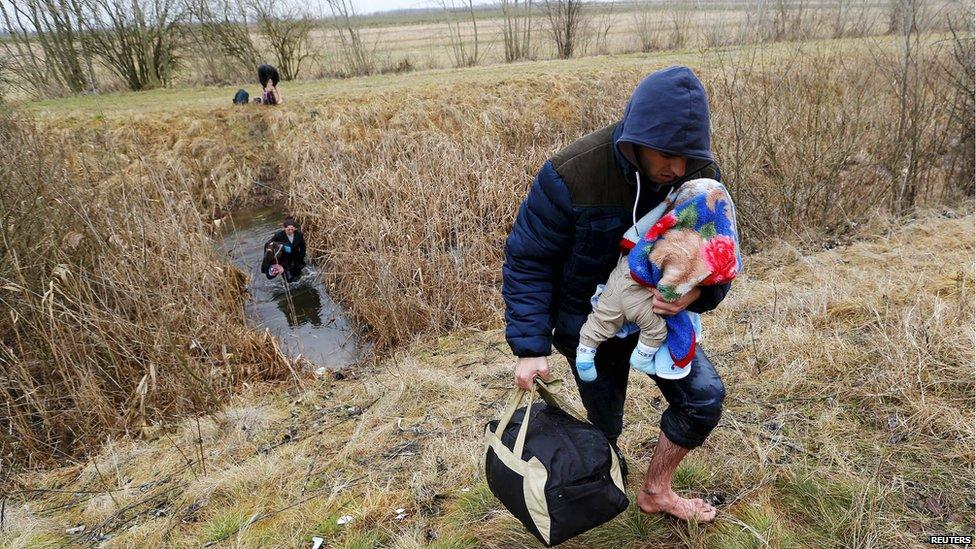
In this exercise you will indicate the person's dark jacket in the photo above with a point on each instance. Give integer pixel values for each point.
(565, 240)
(292, 259)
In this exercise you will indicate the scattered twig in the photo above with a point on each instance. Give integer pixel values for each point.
(105, 484)
(203, 463)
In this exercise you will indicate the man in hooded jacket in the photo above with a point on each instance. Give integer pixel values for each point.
(565, 241)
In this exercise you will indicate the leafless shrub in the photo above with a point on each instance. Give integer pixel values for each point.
(465, 53)
(222, 40)
(287, 31)
(921, 137)
(596, 30)
(719, 31)
(850, 18)
(789, 20)
(516, 29)
(138, 40)
(359, 59)
(778, 20)
(646, 27)
(961, 125)
(898, 16)
(679, 25)
(566, 23)
(45, 46)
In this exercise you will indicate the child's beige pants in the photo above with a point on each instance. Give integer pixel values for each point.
(623, 300)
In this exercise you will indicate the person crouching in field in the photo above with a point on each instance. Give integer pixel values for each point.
(285, 252)
(269, 77)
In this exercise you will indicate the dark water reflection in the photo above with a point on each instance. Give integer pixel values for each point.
(301, 315)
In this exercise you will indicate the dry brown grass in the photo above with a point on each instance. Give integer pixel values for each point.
(841, 429)
(118, 312)
(410, 195)
(843, 375)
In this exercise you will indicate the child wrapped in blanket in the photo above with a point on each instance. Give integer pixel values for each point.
(694, 243)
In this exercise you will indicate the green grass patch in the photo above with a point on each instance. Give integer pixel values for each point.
(455, 541)
(329, 527)
(632, 528)
(40, 540)
(690, 475)
(755, 527)
(223, 525)
(474, 506)
(363, 540)
(831, 512)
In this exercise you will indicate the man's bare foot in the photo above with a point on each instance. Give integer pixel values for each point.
(669, 502)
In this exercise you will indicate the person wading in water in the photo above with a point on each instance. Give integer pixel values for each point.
(285, 252)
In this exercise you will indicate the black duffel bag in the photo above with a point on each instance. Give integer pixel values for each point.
(559, 475)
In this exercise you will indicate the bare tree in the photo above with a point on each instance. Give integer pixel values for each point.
(138, 40)
(516, 29)
(219, 30)
(599, 30)
(465, 55)
(788, 19)
(566, 18)
(850, 19)
(45, 46)
(288, 34)
(358, 59)
(962, 127)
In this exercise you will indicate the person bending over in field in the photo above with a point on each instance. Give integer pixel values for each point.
(284, 254)
(565, 242)
(269, 77)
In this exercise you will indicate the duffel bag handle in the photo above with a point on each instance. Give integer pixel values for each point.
(551, 398)
(513, 403)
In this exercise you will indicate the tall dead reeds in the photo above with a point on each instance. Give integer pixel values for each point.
(117, 311)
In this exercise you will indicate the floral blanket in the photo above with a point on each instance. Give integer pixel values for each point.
(695, 243)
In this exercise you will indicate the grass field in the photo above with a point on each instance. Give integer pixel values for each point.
(846, 347)
(309, 93)
(426, 40)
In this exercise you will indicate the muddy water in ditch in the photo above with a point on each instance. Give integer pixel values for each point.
(301, 314)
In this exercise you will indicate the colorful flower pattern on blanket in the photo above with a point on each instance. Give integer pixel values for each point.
(695, 243)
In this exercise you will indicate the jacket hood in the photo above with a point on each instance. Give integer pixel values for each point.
(667, 112)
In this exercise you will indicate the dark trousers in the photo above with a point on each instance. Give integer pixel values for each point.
(293, 271)
(694, 402)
